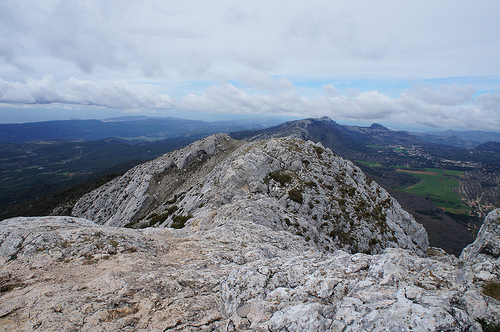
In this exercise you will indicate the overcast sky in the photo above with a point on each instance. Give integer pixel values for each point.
(399, 63)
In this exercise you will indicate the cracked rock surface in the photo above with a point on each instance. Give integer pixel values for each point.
(68, 274)
(285, 184)
(223, 235)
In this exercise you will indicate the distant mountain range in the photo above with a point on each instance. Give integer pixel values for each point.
(131, 128)
(463, 139)
(142, 128)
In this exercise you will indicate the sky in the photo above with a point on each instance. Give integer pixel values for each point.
(405, 64)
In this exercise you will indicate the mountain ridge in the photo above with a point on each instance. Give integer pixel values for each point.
(459, 138)
(287, 184)
(225, 235)
(337, 137)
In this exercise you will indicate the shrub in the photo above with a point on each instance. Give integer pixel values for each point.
(319, 150)
(131, 224)
(8, 287)
(155, 218)
(172, 209)
(487, 327)
(296, 196)
(280, 177)
(179, 221)
(492, 289)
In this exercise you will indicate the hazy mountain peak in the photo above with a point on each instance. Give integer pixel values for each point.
(325, 118)
(378, 126)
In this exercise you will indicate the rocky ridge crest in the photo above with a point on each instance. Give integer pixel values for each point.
(277, 235)
(285, 184)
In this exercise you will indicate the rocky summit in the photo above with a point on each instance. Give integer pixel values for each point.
(223, 235)
(285, 184)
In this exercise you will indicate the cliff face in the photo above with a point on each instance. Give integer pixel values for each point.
(278, 235)
(284, 184)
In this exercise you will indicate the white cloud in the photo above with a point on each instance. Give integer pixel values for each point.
(318, 39)
(32, 92)
(114, 46)
(448, 106)
(446, 94)
(330, 89)
(74, 91)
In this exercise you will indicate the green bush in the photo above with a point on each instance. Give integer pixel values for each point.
(156, 218)
(280, 177)
(310, 184)
(296, 196)
(487, 327)
(319, 150)
(492, 289)
(131, 224)
(180, 221)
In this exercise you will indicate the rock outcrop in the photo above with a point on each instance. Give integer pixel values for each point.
(65, 274)
(130, 197)
(487, 245)
(483, 255)
(285, 184)
(277, 235)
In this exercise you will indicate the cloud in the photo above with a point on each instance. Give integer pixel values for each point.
(451, 94)
(32, 92)
(264, 82)
(447, 106)
(330, 89)
(79, 92)
(227, 98)
(319, 39)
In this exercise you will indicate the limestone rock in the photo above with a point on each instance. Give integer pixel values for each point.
(486, 247)
(277, 235)
(285, 184)
(129, 197)
(63, 274)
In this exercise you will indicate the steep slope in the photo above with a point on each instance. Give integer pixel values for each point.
(63, 274)
(144, 187)
(486, 248)
(284, 184)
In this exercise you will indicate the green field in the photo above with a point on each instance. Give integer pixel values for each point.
(437, 185)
